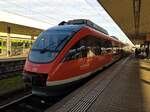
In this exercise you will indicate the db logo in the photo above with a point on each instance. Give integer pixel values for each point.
(34, 69)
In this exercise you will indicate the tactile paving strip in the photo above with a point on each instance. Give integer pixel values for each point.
(81, 104)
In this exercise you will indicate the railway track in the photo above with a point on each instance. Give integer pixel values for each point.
(29, 103)
(11, 65)
(10, 74)
(32, 103)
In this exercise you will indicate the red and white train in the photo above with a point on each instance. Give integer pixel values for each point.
(64, 55)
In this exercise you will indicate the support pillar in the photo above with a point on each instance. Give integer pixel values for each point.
(8, 42)
(148, 44)
(2, 44)
(32, 38)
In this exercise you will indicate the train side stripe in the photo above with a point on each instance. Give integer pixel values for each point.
(54, 83)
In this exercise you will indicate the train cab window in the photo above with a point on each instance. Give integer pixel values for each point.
(50, 42)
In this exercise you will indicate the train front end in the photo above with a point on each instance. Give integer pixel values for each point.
(45, 56)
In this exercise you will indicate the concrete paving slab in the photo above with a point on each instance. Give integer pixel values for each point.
(97, 84)
(123, 87)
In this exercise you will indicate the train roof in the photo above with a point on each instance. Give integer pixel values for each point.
(66, 28)
(115, 37)
(77, 24)
(84, 22)
(75, 28)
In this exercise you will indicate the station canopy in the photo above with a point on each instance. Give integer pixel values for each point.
(133, 17)
(7, 27)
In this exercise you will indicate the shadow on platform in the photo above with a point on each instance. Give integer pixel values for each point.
(145, 68)
(145, 81)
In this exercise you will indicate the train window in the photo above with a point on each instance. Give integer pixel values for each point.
(94, 46)
(89, 46)
(72, 54)
(106, 46)
(55, 38)
(117, 50)
(50, 42)
(77, 51)
(98, 46)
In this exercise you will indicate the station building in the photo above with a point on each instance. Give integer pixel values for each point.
(16, 40)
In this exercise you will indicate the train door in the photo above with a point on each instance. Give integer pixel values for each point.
(83, 61)
(74, 62)
(78, 54)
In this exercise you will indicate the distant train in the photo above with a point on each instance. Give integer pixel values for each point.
(64, 55)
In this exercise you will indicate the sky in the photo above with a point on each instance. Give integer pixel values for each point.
(47, 13)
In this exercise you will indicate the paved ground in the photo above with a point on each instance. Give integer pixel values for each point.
(123, 87)
(145, 84)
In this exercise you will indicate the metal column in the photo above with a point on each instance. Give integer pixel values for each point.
(32, 38)
(8, 42)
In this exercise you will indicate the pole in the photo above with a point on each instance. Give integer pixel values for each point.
(8, 42)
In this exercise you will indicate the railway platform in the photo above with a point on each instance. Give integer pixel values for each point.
(123, 87)
(12, 58)
(11, 64)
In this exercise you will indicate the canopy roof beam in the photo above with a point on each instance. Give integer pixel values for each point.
(136, 6)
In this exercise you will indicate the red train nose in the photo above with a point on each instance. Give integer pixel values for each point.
(38, 68)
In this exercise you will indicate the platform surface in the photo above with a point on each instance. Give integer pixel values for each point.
(123, 87)
(12, 58)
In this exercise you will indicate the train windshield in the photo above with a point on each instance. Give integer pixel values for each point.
(49, 44)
